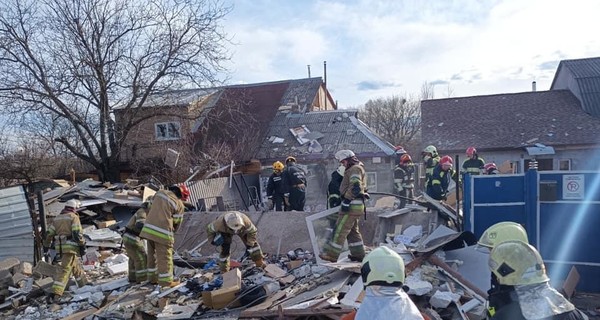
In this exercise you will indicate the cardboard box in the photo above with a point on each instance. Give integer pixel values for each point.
(219, 299)
(104, 224)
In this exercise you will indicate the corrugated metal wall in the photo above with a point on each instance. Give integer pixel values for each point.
(209, 189)
(16, 231)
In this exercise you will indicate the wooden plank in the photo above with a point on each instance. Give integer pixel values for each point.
(282, 313)
(81, 315)
(568, 287)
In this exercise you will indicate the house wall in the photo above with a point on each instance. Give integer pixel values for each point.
(565, 80)
(579, 158)
(322, 101)
(141, 142)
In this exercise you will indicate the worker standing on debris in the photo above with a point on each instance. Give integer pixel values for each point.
(431, 158)
(437, 186)
(354, 193)
(294, 181)
(490, 168)
(165, 214)
(275, 189)
(220, 233)
(520, 266)
(499, 295)
(382, 274)
(403, 178)
(134, 245)
(333, 189)
(474, 163)
(65, 232)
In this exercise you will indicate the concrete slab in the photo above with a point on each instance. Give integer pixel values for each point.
(277, 231)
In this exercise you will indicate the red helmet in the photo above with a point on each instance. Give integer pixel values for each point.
(446, 160)
(185, 192)
(489, 166)
(471, 151)
(405, 158)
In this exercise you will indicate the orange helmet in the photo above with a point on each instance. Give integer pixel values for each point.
(446, 160)
(405, 158)
(185, 192)
(471, 151)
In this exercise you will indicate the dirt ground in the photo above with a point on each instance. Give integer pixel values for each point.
(588, 303)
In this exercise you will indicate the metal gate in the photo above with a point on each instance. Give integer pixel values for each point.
(559, 209)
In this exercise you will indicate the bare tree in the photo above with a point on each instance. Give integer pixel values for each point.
(71, 62)
(394, 118)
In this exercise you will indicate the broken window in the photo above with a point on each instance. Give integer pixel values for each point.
(167, 131)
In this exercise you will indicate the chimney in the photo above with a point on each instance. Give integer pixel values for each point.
(533, 86)
(325, 73)
(308, 70)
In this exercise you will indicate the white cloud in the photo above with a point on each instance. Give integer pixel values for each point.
(392, 47)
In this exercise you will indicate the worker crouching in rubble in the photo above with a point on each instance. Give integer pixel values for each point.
(382, 274)
(164, 216)
(520, 266)
(354, 193)
(65, 232)
(220, 233)
(134, 245)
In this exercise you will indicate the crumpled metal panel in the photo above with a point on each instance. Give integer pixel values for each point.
(16, 231)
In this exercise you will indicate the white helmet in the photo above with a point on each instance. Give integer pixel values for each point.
(517, 263)
(234, 220)
(73, 203)
(344, 154)
(383, 267)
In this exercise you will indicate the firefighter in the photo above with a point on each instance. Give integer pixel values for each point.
(382, 274)
(403, 178)
(354, 193)
(65, 232)
(294, 181)
(220, 233)
(437, 186)
(134, 245)
(499, 295)
(490, 168)
(162, 220)
(520, 266)
(333, 189)
(431, 158)
(275, 190)
(474, 163)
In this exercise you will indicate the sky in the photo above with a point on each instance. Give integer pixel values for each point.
(376, 49)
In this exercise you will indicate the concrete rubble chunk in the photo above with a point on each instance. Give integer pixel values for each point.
(43, 268)
(442, 299)
(417, 286)
(9, 263)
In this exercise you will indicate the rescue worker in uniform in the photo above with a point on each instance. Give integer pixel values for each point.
(431, 158)
(165, 215)
(134, 245)
(437, 186)
(403, 178)
(221, 231)
(354, 193)
(333, 189)
(294, 181)
(499, 295)
(490, 168)
(520, 266)
(474, 163)
(65, 232)
(382, 274)
(275, 189)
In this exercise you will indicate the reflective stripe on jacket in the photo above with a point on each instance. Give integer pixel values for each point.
(165, 214)
(65, 231)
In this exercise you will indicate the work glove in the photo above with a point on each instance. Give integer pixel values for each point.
(218, 240)
(270, 203)
(286, 200)
(345, 205)
(139, 225)
(366, 196)
(188, 206)
(82, 251)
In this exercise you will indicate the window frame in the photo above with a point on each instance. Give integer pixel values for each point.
(168, 126)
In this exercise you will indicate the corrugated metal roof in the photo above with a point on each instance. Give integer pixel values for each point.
(340, 128)
(16, 231)
(583, 68)
(586, 73)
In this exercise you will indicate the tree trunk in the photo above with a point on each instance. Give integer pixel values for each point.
(109, 171)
